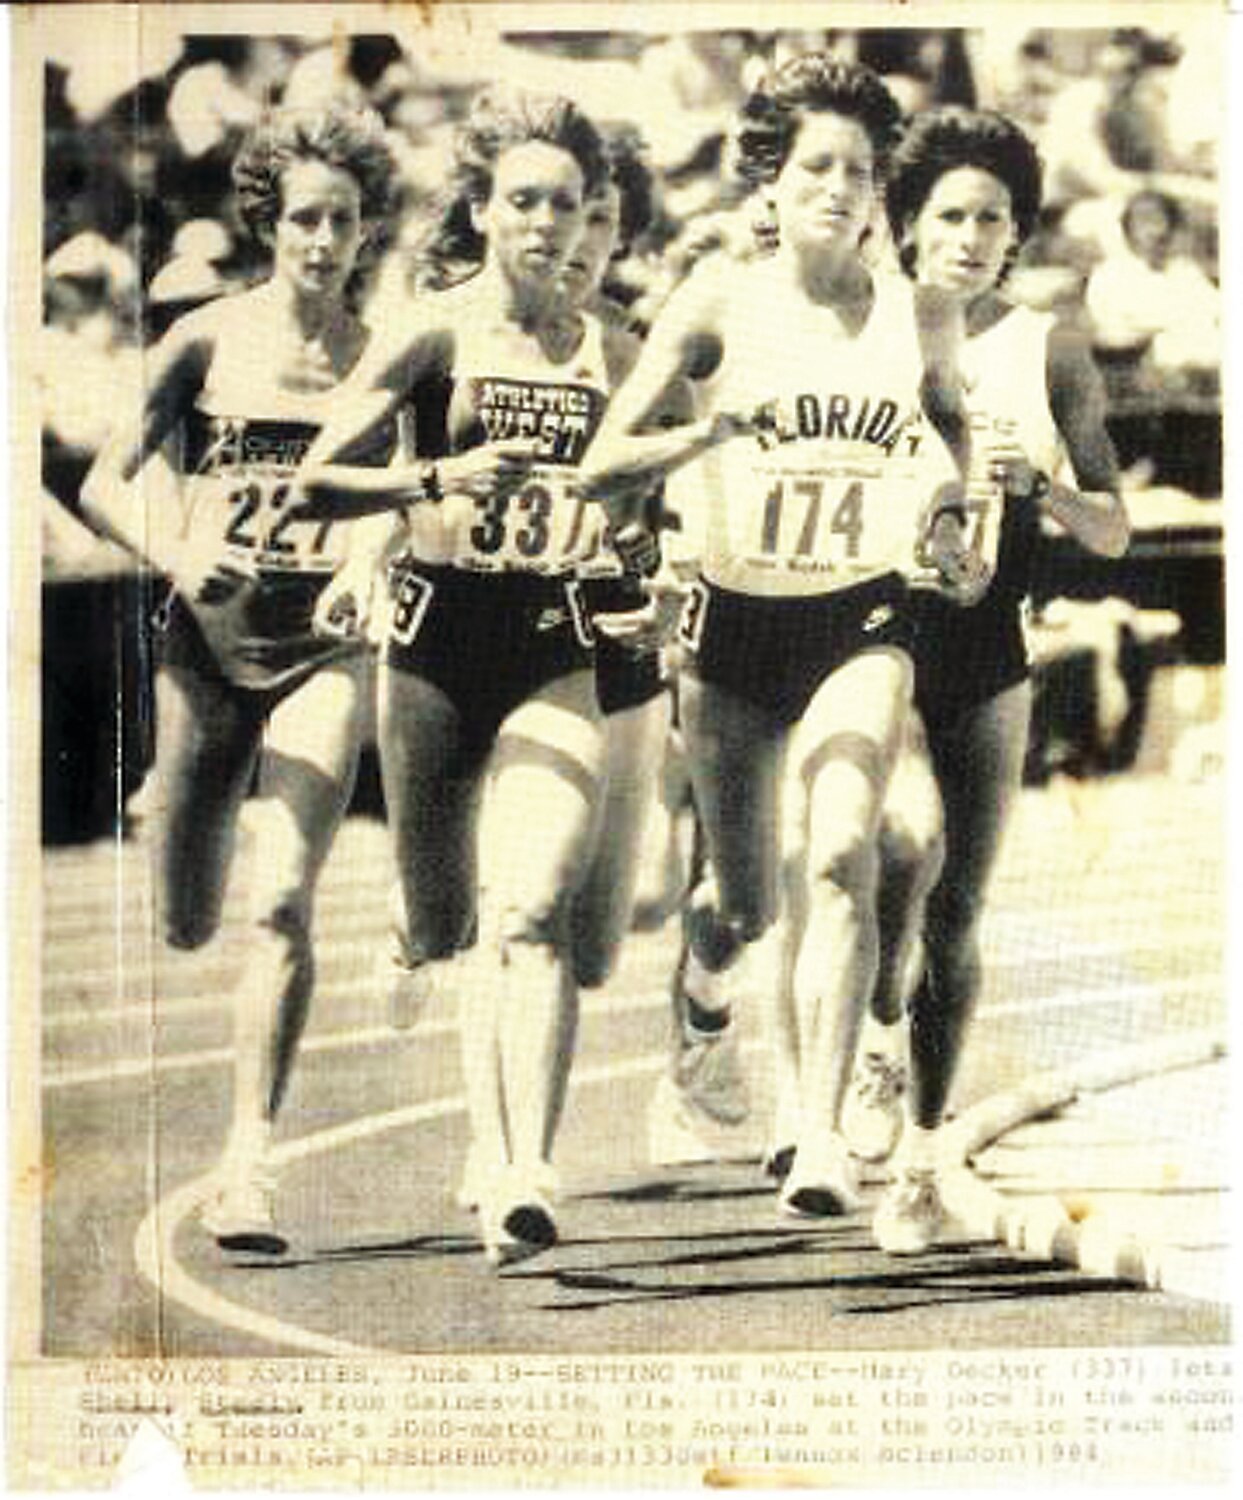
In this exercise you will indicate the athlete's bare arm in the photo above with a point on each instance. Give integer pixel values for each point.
(331, 485)
(941, 324)
(113, 499)
(631, 452)
(1094, 514)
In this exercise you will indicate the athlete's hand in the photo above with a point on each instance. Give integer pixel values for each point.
(1009, 467)
(955, 567)
(206, 575)
(343, 611)
(494, 470)
(653, 624)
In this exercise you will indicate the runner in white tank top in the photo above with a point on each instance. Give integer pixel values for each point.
(964, 192)
(240, 390)
(797, 633)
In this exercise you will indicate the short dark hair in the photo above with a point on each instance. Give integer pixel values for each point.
(941, 140)
(814, 83)
(338, 134)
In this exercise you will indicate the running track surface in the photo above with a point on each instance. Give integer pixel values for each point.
(1105, 928)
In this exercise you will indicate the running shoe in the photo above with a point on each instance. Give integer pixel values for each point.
(242, 1214)
(872, 1115)
(822, 1183)
(911, 1213)
(517, 1221)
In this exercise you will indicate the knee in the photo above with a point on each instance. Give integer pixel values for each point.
(187, 931)
(287, 917)
(850, 865)
(909, 853)
(541, 924)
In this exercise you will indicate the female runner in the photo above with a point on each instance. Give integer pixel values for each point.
(963, 194)
(811, 369)
(245, 689)
(488, 662)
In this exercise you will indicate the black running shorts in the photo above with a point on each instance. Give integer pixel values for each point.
(776, 652)
(488, 641)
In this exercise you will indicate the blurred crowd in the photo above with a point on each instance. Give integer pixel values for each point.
(140, 225)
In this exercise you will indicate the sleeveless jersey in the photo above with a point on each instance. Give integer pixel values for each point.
(241, 446)
(835, 488)
(528, 403)
(1007, 394)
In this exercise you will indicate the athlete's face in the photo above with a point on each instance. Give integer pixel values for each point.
(535, 213)
(320, 227)
(964, 232)
(593, 249)
(825, 193)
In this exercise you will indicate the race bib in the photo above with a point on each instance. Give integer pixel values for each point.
(243, 493)
(547, 525)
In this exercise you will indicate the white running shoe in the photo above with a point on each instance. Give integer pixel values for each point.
(242, 1214)
(910, 1215)
(678, 1134)
(872, 1114)
(708, 1073)
(822, 1183)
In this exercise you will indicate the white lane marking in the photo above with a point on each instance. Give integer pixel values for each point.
(325, 1041)
(1030, 943)
(154, 1247)
(337, 1041)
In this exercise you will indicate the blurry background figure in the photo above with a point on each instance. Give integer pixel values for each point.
(1151, 301)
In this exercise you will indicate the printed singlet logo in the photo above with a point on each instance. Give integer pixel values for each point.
(558, 420)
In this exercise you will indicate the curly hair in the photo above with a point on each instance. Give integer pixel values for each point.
(942, 140)
(499, 119)
(338, 134)
(814, 83)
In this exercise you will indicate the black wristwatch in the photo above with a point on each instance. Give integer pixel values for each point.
(1041, 487)
(429, 484)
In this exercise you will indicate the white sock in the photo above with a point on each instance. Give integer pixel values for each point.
(921, 1147)
(886, 1040)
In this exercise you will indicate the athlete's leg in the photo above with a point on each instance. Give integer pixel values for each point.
(433, 783)
(548, 763)
(979, 769)
(207, 740)
(911, 854)
(844, 754)
(979, 774)
(634, 741)
(735, 751)
(306, 775)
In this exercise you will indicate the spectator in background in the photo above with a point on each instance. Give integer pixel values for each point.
(1151, 301)
(1105, 128)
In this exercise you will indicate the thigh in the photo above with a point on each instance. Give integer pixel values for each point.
(207, 739)
(979, 770)
(735, 753)
(307, 768)
(846, 746)
(634, 746)
(432, 778)
(547, 764)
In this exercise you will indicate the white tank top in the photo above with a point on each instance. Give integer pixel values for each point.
(1007, 388)
(241, 447)
(838, 488)
(525, 401)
